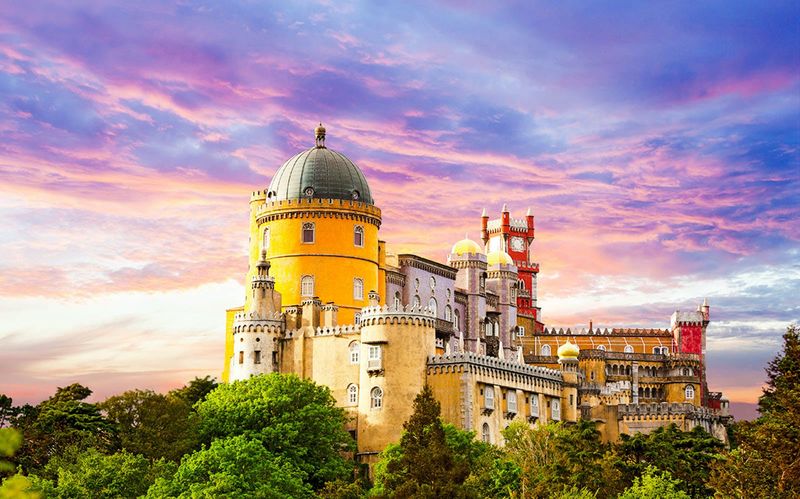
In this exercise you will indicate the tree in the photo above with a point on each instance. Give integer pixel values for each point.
(654, 485)
(291, 417)
(767, 463)
(60, 422)
(16, 486)
(687, 456)
(236, 466)
(152, 424)
(93, 474)
(196, 390)
(423, 465)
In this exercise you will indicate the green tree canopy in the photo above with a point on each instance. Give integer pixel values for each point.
(654, 485)
(196, 390)
(292, 417)
(153, 424)
(236, 466)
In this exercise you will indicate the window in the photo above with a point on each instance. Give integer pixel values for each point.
(448, 293)
(546, 350)
(397, 300)
(358, 236)
(488, 397)
(257, 357)
(352, 394)
(355, 348)
(520, 331)
(555, 409)
(665, 350)
(511, 400)
(265, 240)
(417, 301)
(534, 405)
(358, 288)
(357, 318)
(486, 434)
(432, 305)
(601, 348)
(308, 233)
(686, 372)
(488, 328)
(376, 398)
(433, 282)
(241, 357)
(689, 392)
(374, 357)
(457, 320)
(628, 349)
(448, 313)
(307, 286)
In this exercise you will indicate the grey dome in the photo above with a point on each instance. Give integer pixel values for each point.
(319, 173)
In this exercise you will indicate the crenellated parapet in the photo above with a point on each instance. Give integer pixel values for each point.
(317, 208)
(689, 411)
(338, 330)
(262, 281)
(408, 314)
(494, 364)
(253, 322)
(606, 332)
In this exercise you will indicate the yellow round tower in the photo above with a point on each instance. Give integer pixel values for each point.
(318, 224)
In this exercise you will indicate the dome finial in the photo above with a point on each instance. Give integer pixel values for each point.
(319, 135)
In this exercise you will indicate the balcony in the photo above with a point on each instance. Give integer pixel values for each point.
(375, 366)
(444, 326)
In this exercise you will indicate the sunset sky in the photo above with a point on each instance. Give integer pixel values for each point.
(657, 145)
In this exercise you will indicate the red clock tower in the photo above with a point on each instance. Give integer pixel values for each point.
(515, 236)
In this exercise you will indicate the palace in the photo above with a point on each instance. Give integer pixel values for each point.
(325, 300)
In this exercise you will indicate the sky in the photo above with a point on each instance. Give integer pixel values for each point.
(656, 144)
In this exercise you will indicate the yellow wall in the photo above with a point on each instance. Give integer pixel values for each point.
(333, 259)
(229, 315)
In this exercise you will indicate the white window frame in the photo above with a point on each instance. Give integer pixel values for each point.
(448, 313)
(628, 349)
(488, 397)
(486, 433)
(534, 405)
(520, 331)
(355, 352)
(307, 286)
(432, 305)
(358, 288)
(397, 300)
(265, 240)
(511, 401)
(374, 357)
(689, 390)
(308, 226)
(376, 398)
(456, 320)
(546, 351)
(352, 394)
(555, 410)
(358, 236)
(601, 348)
(417, 301)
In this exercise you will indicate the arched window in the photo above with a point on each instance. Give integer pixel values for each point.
(555, 409)
(417, 301)
(486, 434)
(352, 394)
(265, 240)
(358, 236)
(308, 233)
(546, 350)
(432, 306)
(511, 401)
(397, 300)
(521, 284)
(358, 288)
(489, 329)
(357, 318)
(689, 392)
(534, 405)
(628, 349)
(376, 398)
(448, 313)
(488, 397)
(685, 371)
(601, 348)
(355, 349)
(307, 285)
(457, 320)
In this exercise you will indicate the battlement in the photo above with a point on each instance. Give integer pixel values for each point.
(690, 411)
(338, 330)
(403, 314)
(469, 358)
(316, 206)
(552, 331)
(252, 322)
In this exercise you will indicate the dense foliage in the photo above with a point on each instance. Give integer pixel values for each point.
(281, 436)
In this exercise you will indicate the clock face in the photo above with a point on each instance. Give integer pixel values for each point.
(517, 244)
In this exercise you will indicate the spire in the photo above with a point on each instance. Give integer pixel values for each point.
(505, 208)
(319, 135)
(483, 213)
(529, 213)
(705, 302)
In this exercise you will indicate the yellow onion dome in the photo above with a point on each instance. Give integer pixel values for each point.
(466, 245)
(499, 257)
(568, 351)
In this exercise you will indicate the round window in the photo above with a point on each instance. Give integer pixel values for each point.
(309, 191)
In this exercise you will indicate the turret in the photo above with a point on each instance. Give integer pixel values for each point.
(531, 228)
(484, 227)
(568, 361)
(467, 257)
